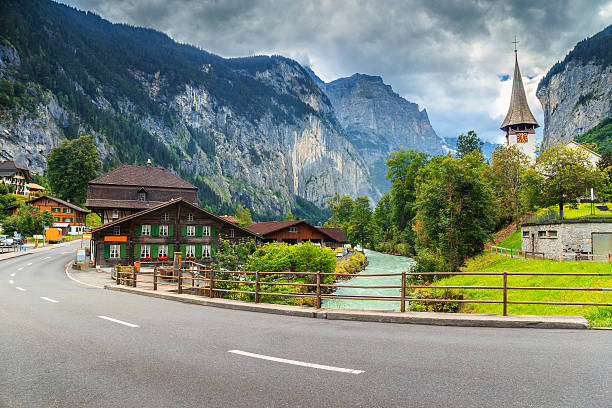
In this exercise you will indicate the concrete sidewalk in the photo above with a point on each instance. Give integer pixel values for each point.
(29, 250)
(438, 319)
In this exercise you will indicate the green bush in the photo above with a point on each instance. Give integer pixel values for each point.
(444, 307)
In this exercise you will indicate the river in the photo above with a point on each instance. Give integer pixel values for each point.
(377, 263)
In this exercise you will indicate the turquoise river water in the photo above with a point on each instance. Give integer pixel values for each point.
(377, 263)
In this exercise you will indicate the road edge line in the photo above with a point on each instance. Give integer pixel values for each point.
(78, 281)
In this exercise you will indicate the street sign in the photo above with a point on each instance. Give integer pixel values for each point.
(80, 256)
(87, 236)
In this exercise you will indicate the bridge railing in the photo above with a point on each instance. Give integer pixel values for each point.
(213, 283)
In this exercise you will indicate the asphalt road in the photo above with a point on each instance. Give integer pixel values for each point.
(58, 352)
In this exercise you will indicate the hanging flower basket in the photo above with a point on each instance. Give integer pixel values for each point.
(162, 258)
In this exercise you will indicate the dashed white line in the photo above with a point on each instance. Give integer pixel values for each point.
(20, 288)
(20, 268)
(49, 299)
(110, 319)
(11, 281)
(30, 264)
(47, 257)
(13, 275)
(298, 363)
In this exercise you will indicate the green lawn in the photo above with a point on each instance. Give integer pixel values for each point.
(580, 211)
(513, 241)
(597, 316)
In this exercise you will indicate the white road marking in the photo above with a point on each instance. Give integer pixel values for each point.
(78, 281)
(49, 299)
(20, 268)
(11, 281)
(69, 252)
(13, 275)
(47, 257)
(298, 363)
(20, 288)
(30, 264)
(110, 319)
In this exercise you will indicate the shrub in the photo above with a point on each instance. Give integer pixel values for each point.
(445, 307)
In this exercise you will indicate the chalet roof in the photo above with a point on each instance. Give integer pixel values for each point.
(127, 204)
(269, 227)
(166, 204)
(230, 219)
(518, 112)
(58, 200)
(146, 176)
(336, 233)
(580, 145)
(10, 167)
(34, 186)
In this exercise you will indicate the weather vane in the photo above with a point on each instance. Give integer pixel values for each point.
(515, 42)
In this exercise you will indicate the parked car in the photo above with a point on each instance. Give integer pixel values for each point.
(7, 242)
(19, 241)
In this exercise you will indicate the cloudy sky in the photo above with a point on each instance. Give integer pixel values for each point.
(452, 58)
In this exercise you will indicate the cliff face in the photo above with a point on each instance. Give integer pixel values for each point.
(378, 121)
(257, 131)
(576, 94)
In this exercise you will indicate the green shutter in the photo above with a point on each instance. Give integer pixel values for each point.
(184, 250)
(214, 251)
(170, 251)
(138, 230)
(198, 253)
(137, 251)
(154, 251)
(122, 251)
(184, 228)
(212, 231)
(155, 230)
(106, 251)
(171, 230)
(199, 230)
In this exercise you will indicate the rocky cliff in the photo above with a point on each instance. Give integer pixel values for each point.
(378, 120)
(576, 94)
(257, 130)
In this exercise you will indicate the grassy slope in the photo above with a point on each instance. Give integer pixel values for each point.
(513, 241)
(597, 316)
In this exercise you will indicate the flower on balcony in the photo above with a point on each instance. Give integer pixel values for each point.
(162, 258)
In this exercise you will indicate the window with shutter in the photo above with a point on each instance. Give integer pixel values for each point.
(155, 230)
(198, 251)
(106, 251)
(122, 251)
(198, 231)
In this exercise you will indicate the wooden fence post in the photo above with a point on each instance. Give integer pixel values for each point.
(609, 256)
(155, 278)
(211, 287)
(256, 286)
(505, 293)
(403, 304)
(180, 281)
(117, 275)
(134, 277)
(318, 289)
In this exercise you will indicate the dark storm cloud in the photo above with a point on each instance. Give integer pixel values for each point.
(448, 56)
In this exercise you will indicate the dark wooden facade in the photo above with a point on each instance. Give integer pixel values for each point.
(129, 189)
(163, 231)
(296, 232)
(67, 216)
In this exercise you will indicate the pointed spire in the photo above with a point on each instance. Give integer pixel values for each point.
(519, 112)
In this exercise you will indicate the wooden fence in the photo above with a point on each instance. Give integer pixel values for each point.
(194, 279)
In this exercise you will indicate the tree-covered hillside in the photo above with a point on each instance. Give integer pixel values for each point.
(601, 135)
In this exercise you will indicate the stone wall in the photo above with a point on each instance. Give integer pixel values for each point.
(557, 237)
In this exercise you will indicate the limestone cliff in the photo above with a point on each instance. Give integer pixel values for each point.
(576, 94)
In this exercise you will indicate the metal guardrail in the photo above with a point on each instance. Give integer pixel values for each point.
(568, 256)
(203, 282)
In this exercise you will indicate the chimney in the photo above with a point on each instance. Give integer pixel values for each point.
(149, 163)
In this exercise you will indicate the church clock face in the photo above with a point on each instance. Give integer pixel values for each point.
(522, 137)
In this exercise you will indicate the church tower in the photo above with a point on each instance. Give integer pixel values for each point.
(519, 123)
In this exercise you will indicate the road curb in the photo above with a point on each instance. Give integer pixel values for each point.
(423, 318)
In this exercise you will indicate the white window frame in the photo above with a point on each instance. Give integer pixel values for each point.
(189, 217)
(163, 230)
(163, 250)
(115, 214)
(206, 251)
(142, 196)
(232, 233)
(293, 229)
(145, 251)
(191, 231)
(117, 230)
(145, 230)
(115, 251)
(206, 230)
(165, 216)
(190, 251)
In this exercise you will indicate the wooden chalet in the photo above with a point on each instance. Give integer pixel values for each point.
(157, 233)
(67, 216)
(129, 189)
(16, 176)
(298, 231)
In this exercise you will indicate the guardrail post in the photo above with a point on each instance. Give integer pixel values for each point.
(505, 293)
(155, 278)
(211, 287)
(403, 301)
(256, 286)
(180, 281)
(609, 256)
(318, 289)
